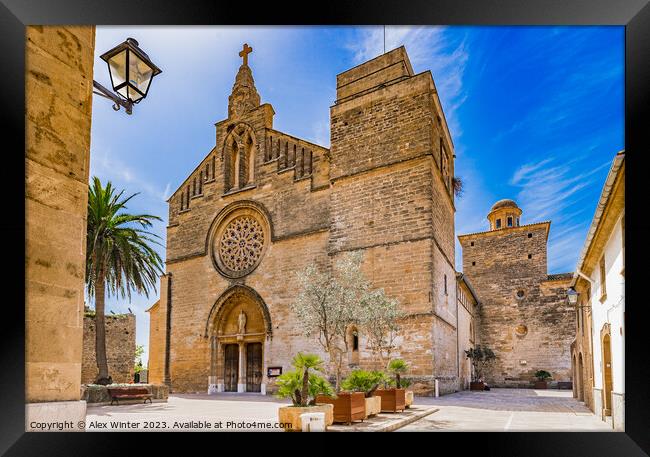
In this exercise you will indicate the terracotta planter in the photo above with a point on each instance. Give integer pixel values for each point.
(373, 406)
(408, 398)
(348, 406)
(392, 400)
(290, 415)
(541, 385)
(476, 385)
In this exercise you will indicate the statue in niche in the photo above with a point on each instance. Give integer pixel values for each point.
(242, 322)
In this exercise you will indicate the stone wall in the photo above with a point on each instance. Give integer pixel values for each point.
(58, 81)
(530, 332)
(120, 348)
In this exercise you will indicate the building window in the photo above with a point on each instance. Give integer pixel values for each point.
(517, 222)
(509, 221)
(473, 264)
(355, 341)
(446, 285)
(472, 243)
(603, 280)
(530, 256)
(530, 235)
(498, 223)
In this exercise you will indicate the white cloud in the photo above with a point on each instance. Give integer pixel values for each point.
(553, 189)
(428, 47)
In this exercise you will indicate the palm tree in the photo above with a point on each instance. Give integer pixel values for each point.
(398, 367)
(306, 362)
(119, 259)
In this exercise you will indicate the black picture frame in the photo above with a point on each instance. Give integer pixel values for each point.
(633, 14)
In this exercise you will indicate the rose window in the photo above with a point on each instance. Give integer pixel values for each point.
(241, 244)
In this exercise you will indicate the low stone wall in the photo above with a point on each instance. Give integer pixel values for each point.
(98, 395)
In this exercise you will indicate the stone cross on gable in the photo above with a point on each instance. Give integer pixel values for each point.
(244, 53)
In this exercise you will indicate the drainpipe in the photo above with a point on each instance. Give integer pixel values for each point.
(168, 330)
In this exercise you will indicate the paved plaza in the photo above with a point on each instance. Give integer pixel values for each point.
(496, 410)
(508, 410)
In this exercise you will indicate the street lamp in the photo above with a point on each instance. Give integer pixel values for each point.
(131, 73)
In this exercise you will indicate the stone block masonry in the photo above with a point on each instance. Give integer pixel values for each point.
(383, 189)
(120, 348)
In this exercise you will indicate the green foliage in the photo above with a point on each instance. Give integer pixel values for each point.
(363, 381)
(481, 358)
(542, 375)
(406, 383)
(302, 385)
(398, 367)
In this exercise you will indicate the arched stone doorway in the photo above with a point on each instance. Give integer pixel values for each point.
(576, 379)
(239, 328)
(607, 370)
(581, 384)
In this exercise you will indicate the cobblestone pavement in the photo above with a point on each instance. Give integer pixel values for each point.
(508, 410)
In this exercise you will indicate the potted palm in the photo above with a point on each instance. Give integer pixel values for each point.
(302, 385)
(366, 382)
(481, 358)
(542, 377)
(393, 395)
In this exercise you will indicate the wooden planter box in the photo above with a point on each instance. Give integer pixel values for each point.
(290, 416)
(408, 398)
(476, 386)
(348, 406)
(392, 400)
(373, 406)
(541, 385)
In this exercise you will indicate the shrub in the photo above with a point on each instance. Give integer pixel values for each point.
(542, 375)
(363, 381)
(302, 385)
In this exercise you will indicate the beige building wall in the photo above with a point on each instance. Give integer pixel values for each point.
(59, 79)
(468, 323)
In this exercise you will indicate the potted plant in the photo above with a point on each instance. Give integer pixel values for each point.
(366, 382)
(542, 377)
(393, 395)
(481, 358)
(302, 385)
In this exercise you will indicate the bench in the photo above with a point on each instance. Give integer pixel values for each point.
(128, 393)
(565, 385)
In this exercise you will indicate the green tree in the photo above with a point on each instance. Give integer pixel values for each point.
(398, 367)
(139, 350)
(119, 258)
(481, 358)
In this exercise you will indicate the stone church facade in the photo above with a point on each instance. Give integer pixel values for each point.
(264, 204)
(524, 314)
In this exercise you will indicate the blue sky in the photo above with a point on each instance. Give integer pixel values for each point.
(536, 113)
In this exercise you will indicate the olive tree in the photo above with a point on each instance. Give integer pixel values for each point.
(328, 303)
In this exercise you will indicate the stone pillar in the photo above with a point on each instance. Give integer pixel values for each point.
(212, 379)
(241, 373)
(58, 83)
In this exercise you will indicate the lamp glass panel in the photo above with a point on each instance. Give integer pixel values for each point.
(139, 73)
(124, 91)
(133, 94)
(117, 67)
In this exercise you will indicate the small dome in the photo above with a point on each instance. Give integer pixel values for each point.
(505, 203)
